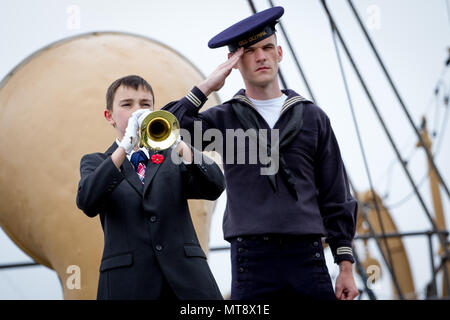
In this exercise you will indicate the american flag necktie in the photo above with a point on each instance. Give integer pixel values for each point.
(139, 161)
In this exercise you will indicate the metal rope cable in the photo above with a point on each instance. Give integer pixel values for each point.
(362, 272)
(383, 124)
(424, 177)
(437, 149)
(442, 239)
(443, 127)
(433, 98)
(364, 277)
(388, 171)
(366, 165)
(402, 104)
(280, 74)
(362, 210)
(406, 198)
(438, 135)
(436, 107)
(297, 63)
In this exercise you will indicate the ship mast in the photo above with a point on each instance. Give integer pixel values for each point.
(437, 204)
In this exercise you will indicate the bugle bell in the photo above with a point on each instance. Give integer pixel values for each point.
(159, 130)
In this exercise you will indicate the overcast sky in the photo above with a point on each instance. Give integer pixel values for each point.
(411, 35)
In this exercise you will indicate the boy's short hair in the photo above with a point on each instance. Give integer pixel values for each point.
(131, 81)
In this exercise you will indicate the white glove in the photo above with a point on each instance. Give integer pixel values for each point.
(176, 143)
(130, 139)
(143, 115)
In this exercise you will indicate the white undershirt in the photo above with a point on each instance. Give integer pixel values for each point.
(270, 109)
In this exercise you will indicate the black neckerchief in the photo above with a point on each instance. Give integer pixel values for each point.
(249, 118)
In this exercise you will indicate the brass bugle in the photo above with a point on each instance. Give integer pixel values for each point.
(159, 130)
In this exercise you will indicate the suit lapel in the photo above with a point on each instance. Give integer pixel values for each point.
(111, 149)
(128, 171)
(152, 168)
(131, 176)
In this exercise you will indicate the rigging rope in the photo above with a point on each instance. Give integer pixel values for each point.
(397, 94)
(297, 63)
(438, 136)
(280, 74)
(383, 124)
(389, 262)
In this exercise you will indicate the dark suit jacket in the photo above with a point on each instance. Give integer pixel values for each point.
(148, 230)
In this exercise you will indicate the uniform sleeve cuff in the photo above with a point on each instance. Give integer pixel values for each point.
(341, 250)
(343, 254)
(196, 97)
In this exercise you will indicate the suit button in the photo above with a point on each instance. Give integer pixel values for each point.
(158, 247)
(239, 239)
(317, 255)
(316, 244)
(241, 270)
(153, 218)
(240, 250)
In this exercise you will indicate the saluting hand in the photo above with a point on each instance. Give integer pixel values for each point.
(216, 80)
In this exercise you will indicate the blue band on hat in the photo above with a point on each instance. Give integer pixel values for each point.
(248, 31)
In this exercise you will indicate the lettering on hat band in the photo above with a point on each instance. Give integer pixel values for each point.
(252, 38)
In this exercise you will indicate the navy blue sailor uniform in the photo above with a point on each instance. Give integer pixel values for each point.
(257, 214)
(324, 207)
(275, 222)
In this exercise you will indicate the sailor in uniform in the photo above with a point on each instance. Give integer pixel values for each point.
(275, 222)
